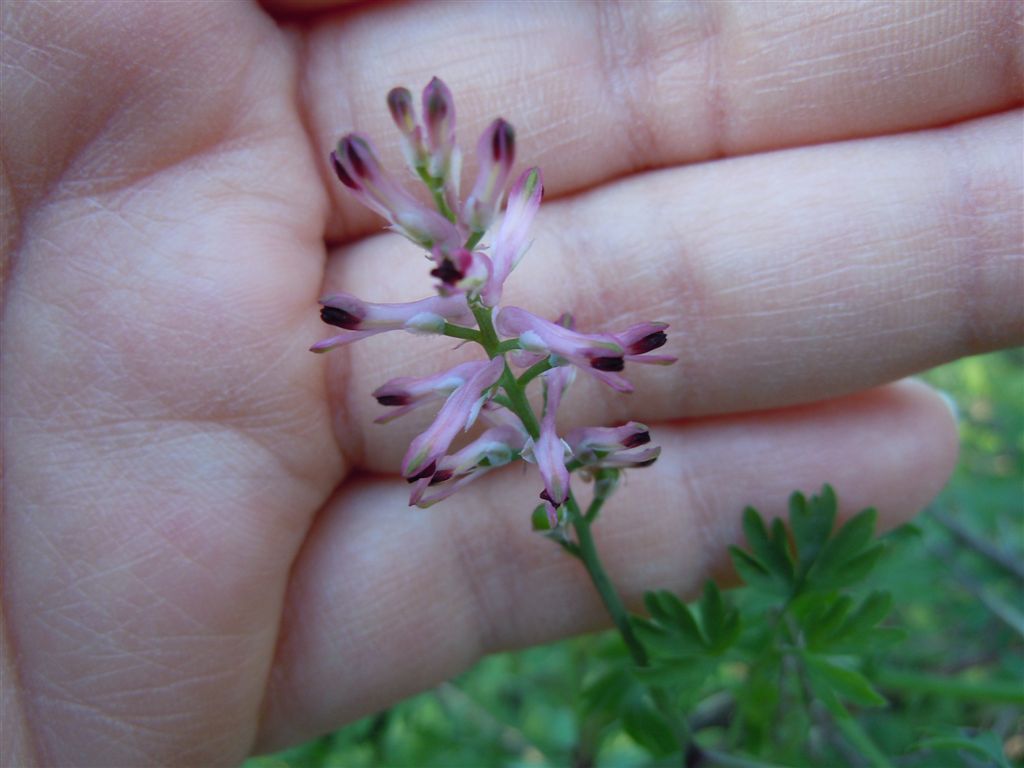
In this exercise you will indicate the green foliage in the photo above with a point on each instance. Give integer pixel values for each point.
(842, 649)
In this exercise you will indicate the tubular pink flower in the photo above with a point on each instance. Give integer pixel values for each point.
(595, 352)
(494, 448)
(407, 393)
(612, 446)
(495, 154)
(511, 243)
(356, 165)
(640, 339)
(548, 451)
(361, 319)
(457, 414)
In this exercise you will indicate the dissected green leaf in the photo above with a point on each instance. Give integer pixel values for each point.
(811, 523)
(847, 684)
(822, 623)
(649, 728)
(846, 545)
(721, 621)
(608, 692)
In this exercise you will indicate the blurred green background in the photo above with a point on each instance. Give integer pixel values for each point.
(957, 575)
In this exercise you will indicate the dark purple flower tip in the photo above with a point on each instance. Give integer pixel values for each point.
(447, 272)
(648, 462)
(612, 364)
(637, 438)
(441, 476)
(547, 497)
(427, 471)
(648, 342)
(354, 150)
(340, 318)
(436, 101)
(393, 399)
(341, 173)
(503, 143)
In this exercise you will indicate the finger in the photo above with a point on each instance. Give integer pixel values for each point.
(788, 277)
(386, 601)
(600, 90)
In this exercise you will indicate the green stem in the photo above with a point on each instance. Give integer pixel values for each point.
(461, 332)
(534, 371)
(474, 238)
(612, 602)
(584, 548)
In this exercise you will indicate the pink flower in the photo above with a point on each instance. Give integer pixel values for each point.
(598, 447)
(356, 165)
(549, 451)
(603, 355)
(494, 448)
(362, 319)
(407, 393)
(511, 241)
(593, 351)
(640, 339)
(456, 415)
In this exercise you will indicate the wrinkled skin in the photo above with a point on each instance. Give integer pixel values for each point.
(206, 549)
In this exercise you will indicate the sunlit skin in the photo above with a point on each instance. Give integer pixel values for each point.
(207, 549)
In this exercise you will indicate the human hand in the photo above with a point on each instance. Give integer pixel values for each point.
(207, 549)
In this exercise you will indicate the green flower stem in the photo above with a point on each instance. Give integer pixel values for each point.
(436, 187)
(953, 687)
(442, 204)
(461, 332)
(534, 371)
(609, 596)
(488, 339)
(474, 238)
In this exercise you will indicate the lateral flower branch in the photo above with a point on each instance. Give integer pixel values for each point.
(473, 245)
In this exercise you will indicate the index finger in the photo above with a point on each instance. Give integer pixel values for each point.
(597, 91)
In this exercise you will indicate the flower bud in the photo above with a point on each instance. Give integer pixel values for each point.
(495, 154)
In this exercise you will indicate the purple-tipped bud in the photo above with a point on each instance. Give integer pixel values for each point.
(439, 118)
(402, 112)
(495, 154)
(356, 164)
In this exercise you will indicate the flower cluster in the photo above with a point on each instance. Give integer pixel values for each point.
(470, 276)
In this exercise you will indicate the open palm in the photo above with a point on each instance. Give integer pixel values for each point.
(206, 548)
